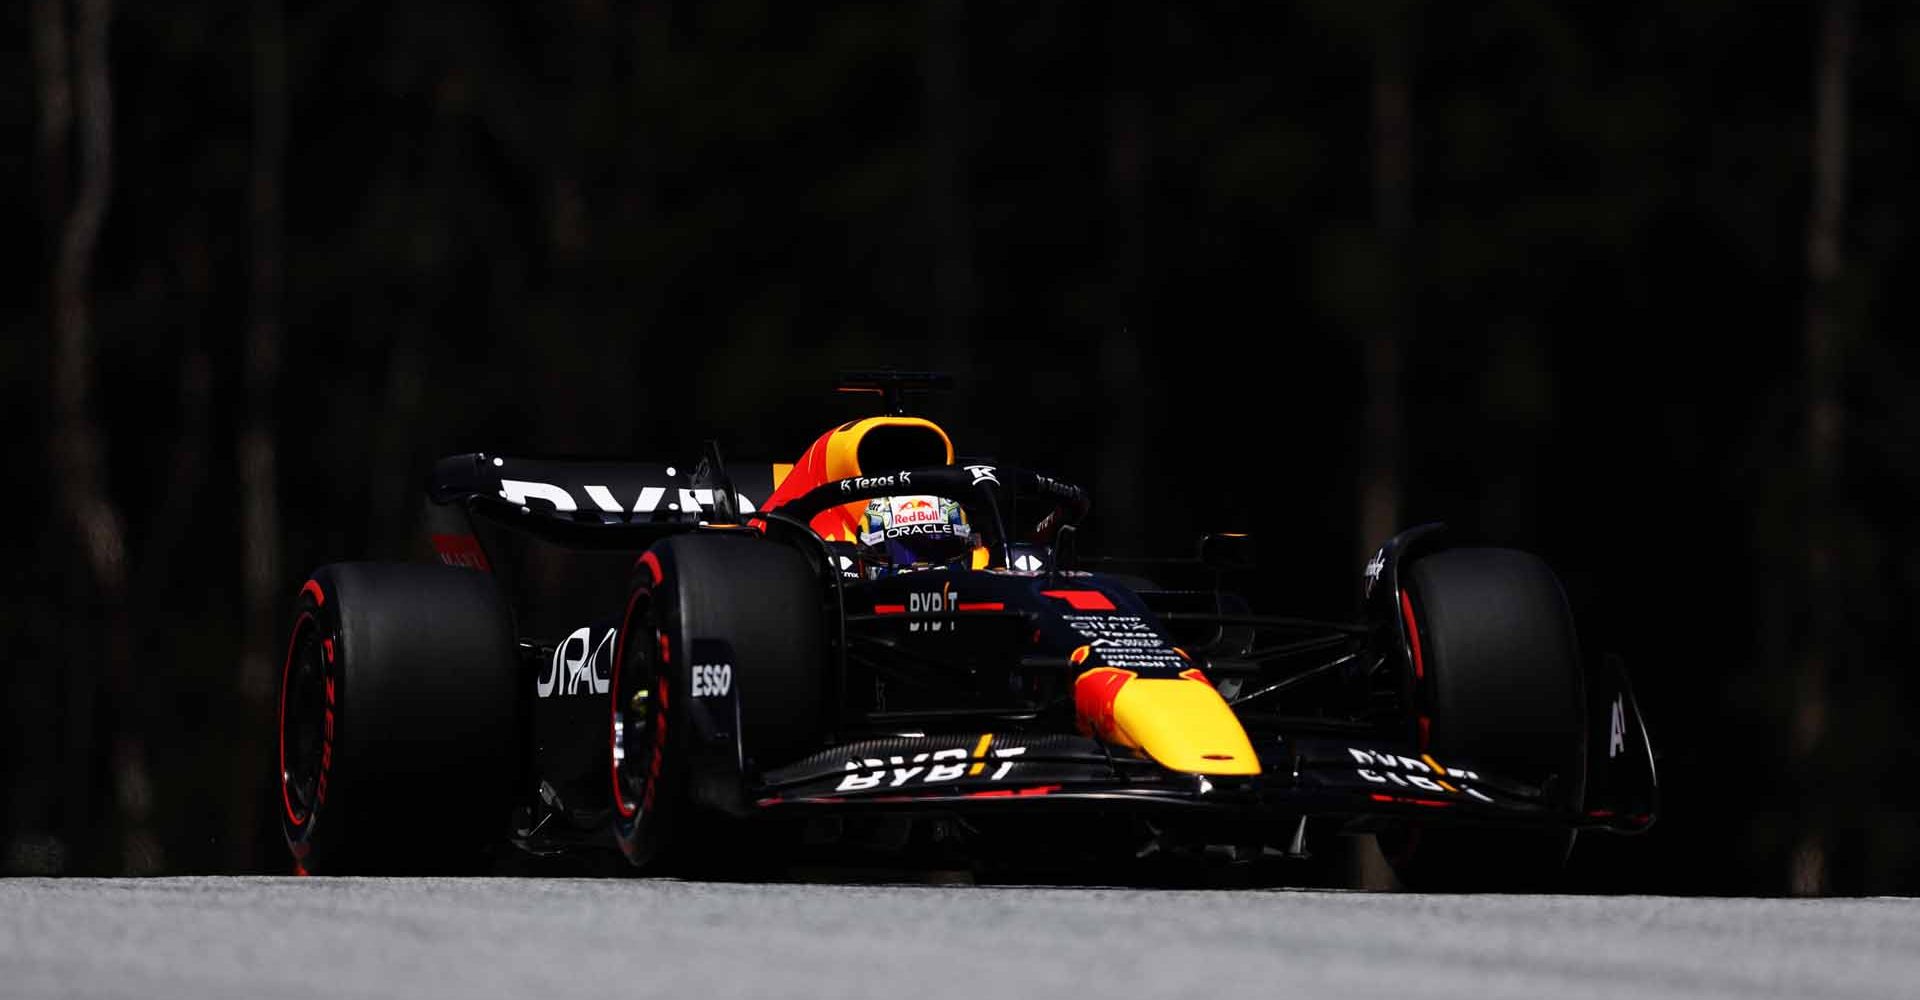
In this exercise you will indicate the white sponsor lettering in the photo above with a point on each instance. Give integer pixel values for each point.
(862, 775)
(1098, 625)
(710, 680)
(1053, 486)
(983, 474)
(930, 603)
(947, 772)
(937, 601)
(935, 528)
(1374, 567)
(517, 491)
(1125, 641)
(1617, 729)
(603, 499)
(576, 665)
(919, 769)
(874, 482)
(1384, 768)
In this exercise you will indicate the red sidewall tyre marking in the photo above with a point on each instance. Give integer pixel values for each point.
(1424, 724)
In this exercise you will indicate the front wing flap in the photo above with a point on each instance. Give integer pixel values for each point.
(1299, 776)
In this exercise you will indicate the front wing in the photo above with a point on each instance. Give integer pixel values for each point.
(1300, 775)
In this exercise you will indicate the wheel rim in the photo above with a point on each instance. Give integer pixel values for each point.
(638, 715)
(304, 717)
(631, 727)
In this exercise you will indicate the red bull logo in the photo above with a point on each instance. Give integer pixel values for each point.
(915, 510)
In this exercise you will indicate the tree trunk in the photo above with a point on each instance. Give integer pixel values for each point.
(1122, 369)
(1384, 344)
(37, 834)
(1825, 419)
(946, 118)
(50, 60)
(260, 572)
(77, 95)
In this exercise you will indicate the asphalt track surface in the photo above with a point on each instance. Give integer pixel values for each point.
(286, 938)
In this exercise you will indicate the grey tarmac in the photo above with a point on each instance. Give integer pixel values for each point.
(420, 939)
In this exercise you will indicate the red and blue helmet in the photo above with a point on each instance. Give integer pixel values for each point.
(914, 532)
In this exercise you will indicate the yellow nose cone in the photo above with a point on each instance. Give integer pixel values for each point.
(1182, 723)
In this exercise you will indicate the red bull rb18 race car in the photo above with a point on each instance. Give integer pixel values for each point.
(701, 664)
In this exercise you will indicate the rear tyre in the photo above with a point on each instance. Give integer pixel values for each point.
(397, 720)
(717, 600)
(1503, 689)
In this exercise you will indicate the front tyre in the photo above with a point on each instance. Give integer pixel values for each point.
(397, 720)
(1502, 689)
(722, 632)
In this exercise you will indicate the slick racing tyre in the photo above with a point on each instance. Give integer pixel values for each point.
(1502, 688)
(732, 627)
(397, 720)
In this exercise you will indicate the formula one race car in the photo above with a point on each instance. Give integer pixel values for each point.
(668, 658)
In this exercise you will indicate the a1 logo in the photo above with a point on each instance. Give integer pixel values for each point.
(710, 680)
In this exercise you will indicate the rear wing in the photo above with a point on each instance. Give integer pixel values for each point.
(596, 503)
(559, 536)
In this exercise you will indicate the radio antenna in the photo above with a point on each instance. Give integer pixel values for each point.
(893, 387)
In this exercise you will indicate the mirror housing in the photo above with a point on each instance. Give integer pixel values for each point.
(1228, 551)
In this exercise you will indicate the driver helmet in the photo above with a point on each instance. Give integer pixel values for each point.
(913, 532)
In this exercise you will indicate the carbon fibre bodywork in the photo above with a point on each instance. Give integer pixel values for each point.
(983, 689)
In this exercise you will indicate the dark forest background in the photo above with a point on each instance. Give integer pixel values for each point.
(1630, 285)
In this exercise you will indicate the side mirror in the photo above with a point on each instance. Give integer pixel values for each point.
(712, 472)
(1227, 551)
(1065, 552)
